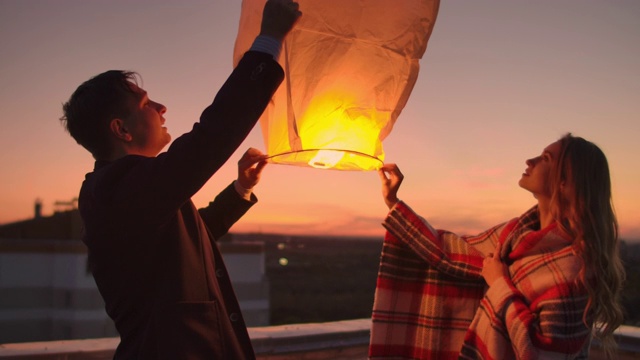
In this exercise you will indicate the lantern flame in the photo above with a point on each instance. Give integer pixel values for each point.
(326, 159)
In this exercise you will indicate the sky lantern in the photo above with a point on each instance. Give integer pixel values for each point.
(350, 66)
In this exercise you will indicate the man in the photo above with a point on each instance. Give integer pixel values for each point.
(152, 254)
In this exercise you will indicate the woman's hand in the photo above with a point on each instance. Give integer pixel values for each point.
(391, 178)
(493, 268)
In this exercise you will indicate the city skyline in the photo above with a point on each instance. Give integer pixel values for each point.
(499, 81)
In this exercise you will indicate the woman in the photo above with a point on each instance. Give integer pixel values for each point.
(533, 287)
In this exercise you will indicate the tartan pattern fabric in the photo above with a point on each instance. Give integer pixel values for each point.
(431, 301)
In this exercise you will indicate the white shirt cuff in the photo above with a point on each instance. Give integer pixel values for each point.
(267, 44)
(244, 193)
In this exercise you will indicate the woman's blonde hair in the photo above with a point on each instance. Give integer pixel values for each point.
(582, 203)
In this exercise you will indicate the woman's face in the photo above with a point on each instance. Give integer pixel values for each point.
(537, 177)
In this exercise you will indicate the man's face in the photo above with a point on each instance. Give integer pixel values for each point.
(145, 124)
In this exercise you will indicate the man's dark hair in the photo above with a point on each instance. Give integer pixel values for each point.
(93, 105)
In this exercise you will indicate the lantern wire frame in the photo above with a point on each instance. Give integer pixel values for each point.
(333, 159)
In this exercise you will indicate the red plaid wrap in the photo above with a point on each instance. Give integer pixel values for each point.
(431, 301)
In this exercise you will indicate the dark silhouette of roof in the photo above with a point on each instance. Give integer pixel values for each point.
(64, 225)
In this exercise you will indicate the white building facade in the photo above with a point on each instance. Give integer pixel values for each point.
(46, 292)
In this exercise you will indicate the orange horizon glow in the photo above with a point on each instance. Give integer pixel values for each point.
(498, 82)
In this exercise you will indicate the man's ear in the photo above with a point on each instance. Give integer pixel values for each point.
(119, 130)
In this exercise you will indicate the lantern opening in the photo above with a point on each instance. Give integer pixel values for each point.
(333, 159)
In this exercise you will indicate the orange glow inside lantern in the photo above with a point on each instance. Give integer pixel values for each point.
(349, 70)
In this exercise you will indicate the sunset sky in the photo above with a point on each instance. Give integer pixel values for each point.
(500, 80)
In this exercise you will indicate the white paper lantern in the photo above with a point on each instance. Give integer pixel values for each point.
(350, 67)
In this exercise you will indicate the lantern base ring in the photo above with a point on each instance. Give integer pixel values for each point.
(334, 159)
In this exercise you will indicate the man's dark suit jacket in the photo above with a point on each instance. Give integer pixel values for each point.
(152, 254)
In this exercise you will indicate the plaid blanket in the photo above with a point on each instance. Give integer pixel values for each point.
(431, 301)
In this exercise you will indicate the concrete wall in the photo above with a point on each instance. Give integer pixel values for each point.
(340, 340)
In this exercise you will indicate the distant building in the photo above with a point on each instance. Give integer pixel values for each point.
(46, 292)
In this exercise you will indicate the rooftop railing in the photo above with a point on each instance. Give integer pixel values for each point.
(339, 340)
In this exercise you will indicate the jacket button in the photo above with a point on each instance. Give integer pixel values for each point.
(257, 71)
(234, 317)
(219, 273)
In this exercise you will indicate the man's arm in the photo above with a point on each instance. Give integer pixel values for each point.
(234, 201)
(227, 208)
(164, 183)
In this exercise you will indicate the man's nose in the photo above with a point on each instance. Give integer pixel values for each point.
(160, 108)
